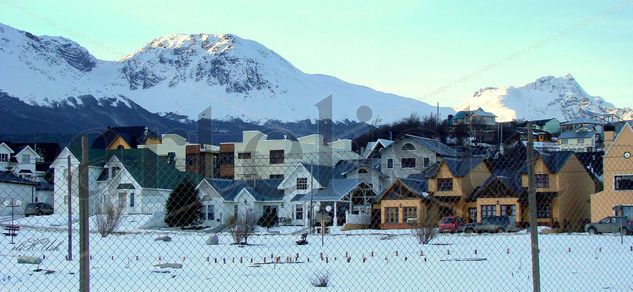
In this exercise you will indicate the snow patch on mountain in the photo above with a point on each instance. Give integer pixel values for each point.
(183, 74)
(559, 97)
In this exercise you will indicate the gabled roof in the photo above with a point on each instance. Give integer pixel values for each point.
(374, 145)
(416, 187)
(427, 173)
(25, 148)
(347, 165)
(504, 182)
(555, 160)
(582, 121)
(434, 145)
(149, 170)
(322, 173)
(5, 145)
(461, 167)
(539, 123)
(577, 134)
(260, 189)
(9, 177)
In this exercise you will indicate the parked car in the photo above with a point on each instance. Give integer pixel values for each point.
(611, 224)
(489, 224)
(451, 224)
(38, 209)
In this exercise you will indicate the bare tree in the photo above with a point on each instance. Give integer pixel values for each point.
(426, 230)
(243, 227)
(109, 216)
(320, 279)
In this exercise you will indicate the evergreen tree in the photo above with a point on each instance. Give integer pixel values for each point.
(183, 205)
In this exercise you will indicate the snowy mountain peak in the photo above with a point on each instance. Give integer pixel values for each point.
(184, 74)
(549, 96)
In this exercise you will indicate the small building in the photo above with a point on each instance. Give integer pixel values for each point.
(578, 141)
(405, 203)
(616, 197)
(551, 125)
(14, 188)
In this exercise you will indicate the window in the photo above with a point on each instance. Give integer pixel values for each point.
(391, 215)
(508, 210)
(114, 170)
(623, 182)
(542, 180)
(298, 212)
(26, 158)
(269, 209)
(407, 163)
(276, 156)
(244, 155)
(235, 211)
(408, 146)
(302, 183)
(131, 200)
(210, 212)
(66, 172)
(543, 210)
(276, 176)
(362, 170)
(410, 214)
(444, 184)
(581, 141)
(472, 214)
(389, 163)
(427, 162)
(4, 157)
(488, 211)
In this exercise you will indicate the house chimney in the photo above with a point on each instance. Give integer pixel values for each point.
(609, 136)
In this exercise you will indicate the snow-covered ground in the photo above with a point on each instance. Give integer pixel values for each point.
(125, 262)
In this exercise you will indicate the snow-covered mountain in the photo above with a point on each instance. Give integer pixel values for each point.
(183, 74)
(559, 97)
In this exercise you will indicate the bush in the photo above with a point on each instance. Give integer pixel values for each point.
(320, 279)
(183, 205)
(269, 219)
(108, 217)
(243, 227)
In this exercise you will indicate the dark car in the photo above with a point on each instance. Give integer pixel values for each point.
(451, 224)
(611, 224)
(38, 209)
(489, 224)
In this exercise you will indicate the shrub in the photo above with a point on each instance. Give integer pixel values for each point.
(320, 279)
(108, 217)
(243, 227)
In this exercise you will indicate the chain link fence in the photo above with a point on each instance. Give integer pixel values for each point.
(412, 217)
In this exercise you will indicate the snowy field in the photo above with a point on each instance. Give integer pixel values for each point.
(452, 262)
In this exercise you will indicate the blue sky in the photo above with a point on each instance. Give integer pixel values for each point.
(435, 51)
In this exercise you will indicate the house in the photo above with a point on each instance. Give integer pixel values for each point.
(125, 138)
(452, 180)
(477, 117)
(368, 170)
(500, 194)
(137, 179)
(551, 125)
(25, 160)
(405, 203)
(563, 190)
(578, 141)
(14, 188)
(202, 159)
(257, 156)
(616, 197)
(5, 156)
(586, 124)
(28, 160)
(412, 154)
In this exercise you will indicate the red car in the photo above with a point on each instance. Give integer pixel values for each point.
(451, 223)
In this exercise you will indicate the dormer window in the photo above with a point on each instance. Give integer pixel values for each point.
(408, 146)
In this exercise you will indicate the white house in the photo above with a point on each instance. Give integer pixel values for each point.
(5, 156)
(26, 159)
(578, 141)
(368, 170)
(14, 188)
(259, 157)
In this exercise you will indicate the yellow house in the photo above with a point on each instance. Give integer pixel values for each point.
(125, 138)
(501, 194)
(617, 194)
(454, 179)
(405, 203)
(563, 190)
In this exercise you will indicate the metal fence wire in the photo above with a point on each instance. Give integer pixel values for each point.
(405, 219)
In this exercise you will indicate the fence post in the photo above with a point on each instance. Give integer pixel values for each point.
(84, 240)
(536, 276)
(70, 211)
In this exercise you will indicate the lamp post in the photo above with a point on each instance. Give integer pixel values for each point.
(12, 203)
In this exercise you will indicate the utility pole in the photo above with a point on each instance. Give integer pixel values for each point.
(536, 274)
(70, 213)
(84, 239)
